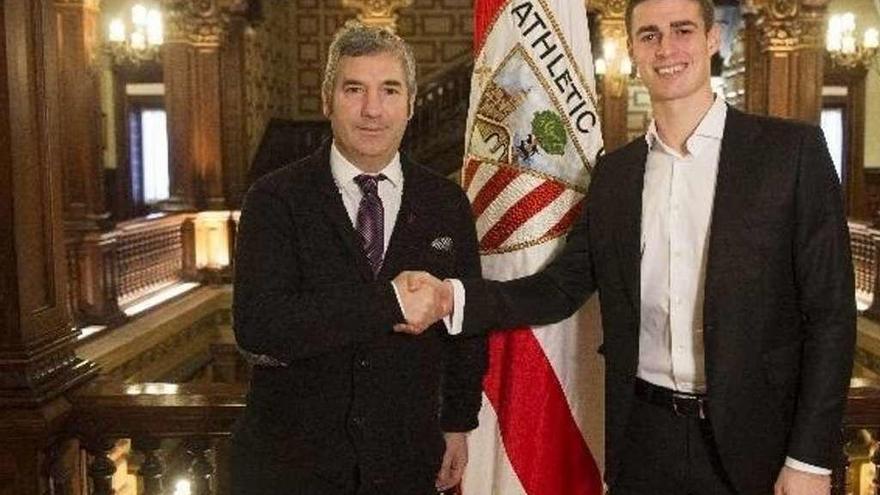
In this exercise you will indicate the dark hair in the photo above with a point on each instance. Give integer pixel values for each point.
(707, 7)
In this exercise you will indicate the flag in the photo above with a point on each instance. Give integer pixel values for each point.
(532, 138)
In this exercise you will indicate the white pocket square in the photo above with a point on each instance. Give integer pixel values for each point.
(442, 243)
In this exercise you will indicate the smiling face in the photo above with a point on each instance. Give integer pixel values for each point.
(672, 49)
(368, 109)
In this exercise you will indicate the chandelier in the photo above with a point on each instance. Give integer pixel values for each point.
(138, 40)
(843, 45)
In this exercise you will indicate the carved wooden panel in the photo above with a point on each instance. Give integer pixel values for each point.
(37, 256)
(76, 32)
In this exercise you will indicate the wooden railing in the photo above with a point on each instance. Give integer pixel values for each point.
(435, 134)
(197, 418)
(110, 271)
(154, 416)
(863, 241)
(861, 433)
(149, 255)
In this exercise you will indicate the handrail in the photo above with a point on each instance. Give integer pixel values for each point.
(107, 409)
(863, 404)
(200, 415)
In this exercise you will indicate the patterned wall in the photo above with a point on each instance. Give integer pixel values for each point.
(439, 31)
(314, 22)
(270, 71)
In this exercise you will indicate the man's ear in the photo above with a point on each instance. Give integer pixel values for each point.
(326, 105)
(714, 38)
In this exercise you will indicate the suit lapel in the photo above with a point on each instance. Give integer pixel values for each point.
(630, 178)
(333, 207)
(737, 178)
(405, 226)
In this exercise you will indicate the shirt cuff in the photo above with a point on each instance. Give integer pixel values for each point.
(806, 468)
(399, 302)
(455, 319)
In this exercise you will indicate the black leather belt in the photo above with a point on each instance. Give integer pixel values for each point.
(680, 403)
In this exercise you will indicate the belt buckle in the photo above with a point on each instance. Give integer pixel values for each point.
(701, 412)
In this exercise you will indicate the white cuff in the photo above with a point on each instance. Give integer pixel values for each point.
(399, 302)
(807, 468)
(454, 321)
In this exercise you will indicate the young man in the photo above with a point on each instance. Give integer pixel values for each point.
(719, 247)
(340, 404)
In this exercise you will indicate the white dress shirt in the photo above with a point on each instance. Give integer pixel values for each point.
(677, 201)
(390, 190)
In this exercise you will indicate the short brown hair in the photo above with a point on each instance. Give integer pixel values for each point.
(707, 7)
(355, 39)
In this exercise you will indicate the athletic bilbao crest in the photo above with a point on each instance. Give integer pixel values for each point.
(533, 130)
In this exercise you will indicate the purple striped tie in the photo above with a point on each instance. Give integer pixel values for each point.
(371, 219)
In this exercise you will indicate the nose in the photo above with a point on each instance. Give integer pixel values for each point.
(664, 47)
(372, 104)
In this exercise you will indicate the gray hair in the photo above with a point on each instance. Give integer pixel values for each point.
(355, 39)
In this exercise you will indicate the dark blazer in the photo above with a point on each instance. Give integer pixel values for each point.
(354, 397)
(779, 299)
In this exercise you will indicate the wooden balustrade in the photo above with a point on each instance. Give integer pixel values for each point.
(859, 467)
(435, 134)
(199, 415)
(864, 252)
(149, 255)
(202, 415)
(864, 242)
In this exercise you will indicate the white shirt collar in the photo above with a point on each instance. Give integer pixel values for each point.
(711, 126)
(344, 171)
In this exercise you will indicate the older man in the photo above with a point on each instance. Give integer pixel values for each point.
(339, 403)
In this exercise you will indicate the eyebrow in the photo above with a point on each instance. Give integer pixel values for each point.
(387, 82)
(653, 28)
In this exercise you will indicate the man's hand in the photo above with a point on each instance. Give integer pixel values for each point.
(425, 300)
(794, 482)
(454, 460)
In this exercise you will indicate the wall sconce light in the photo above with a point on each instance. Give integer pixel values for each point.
(612, 69)
(138, 40)
(843, 45)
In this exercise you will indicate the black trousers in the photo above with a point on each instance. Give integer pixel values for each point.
(255, 471)
(667, 454)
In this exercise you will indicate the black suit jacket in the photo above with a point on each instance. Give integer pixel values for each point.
(779, 314)
(353, 393)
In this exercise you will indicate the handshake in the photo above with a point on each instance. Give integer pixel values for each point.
(424, 300)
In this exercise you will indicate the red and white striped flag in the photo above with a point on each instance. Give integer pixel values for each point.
(532, 138)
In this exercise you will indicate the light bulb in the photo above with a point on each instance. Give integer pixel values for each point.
(117, 31)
